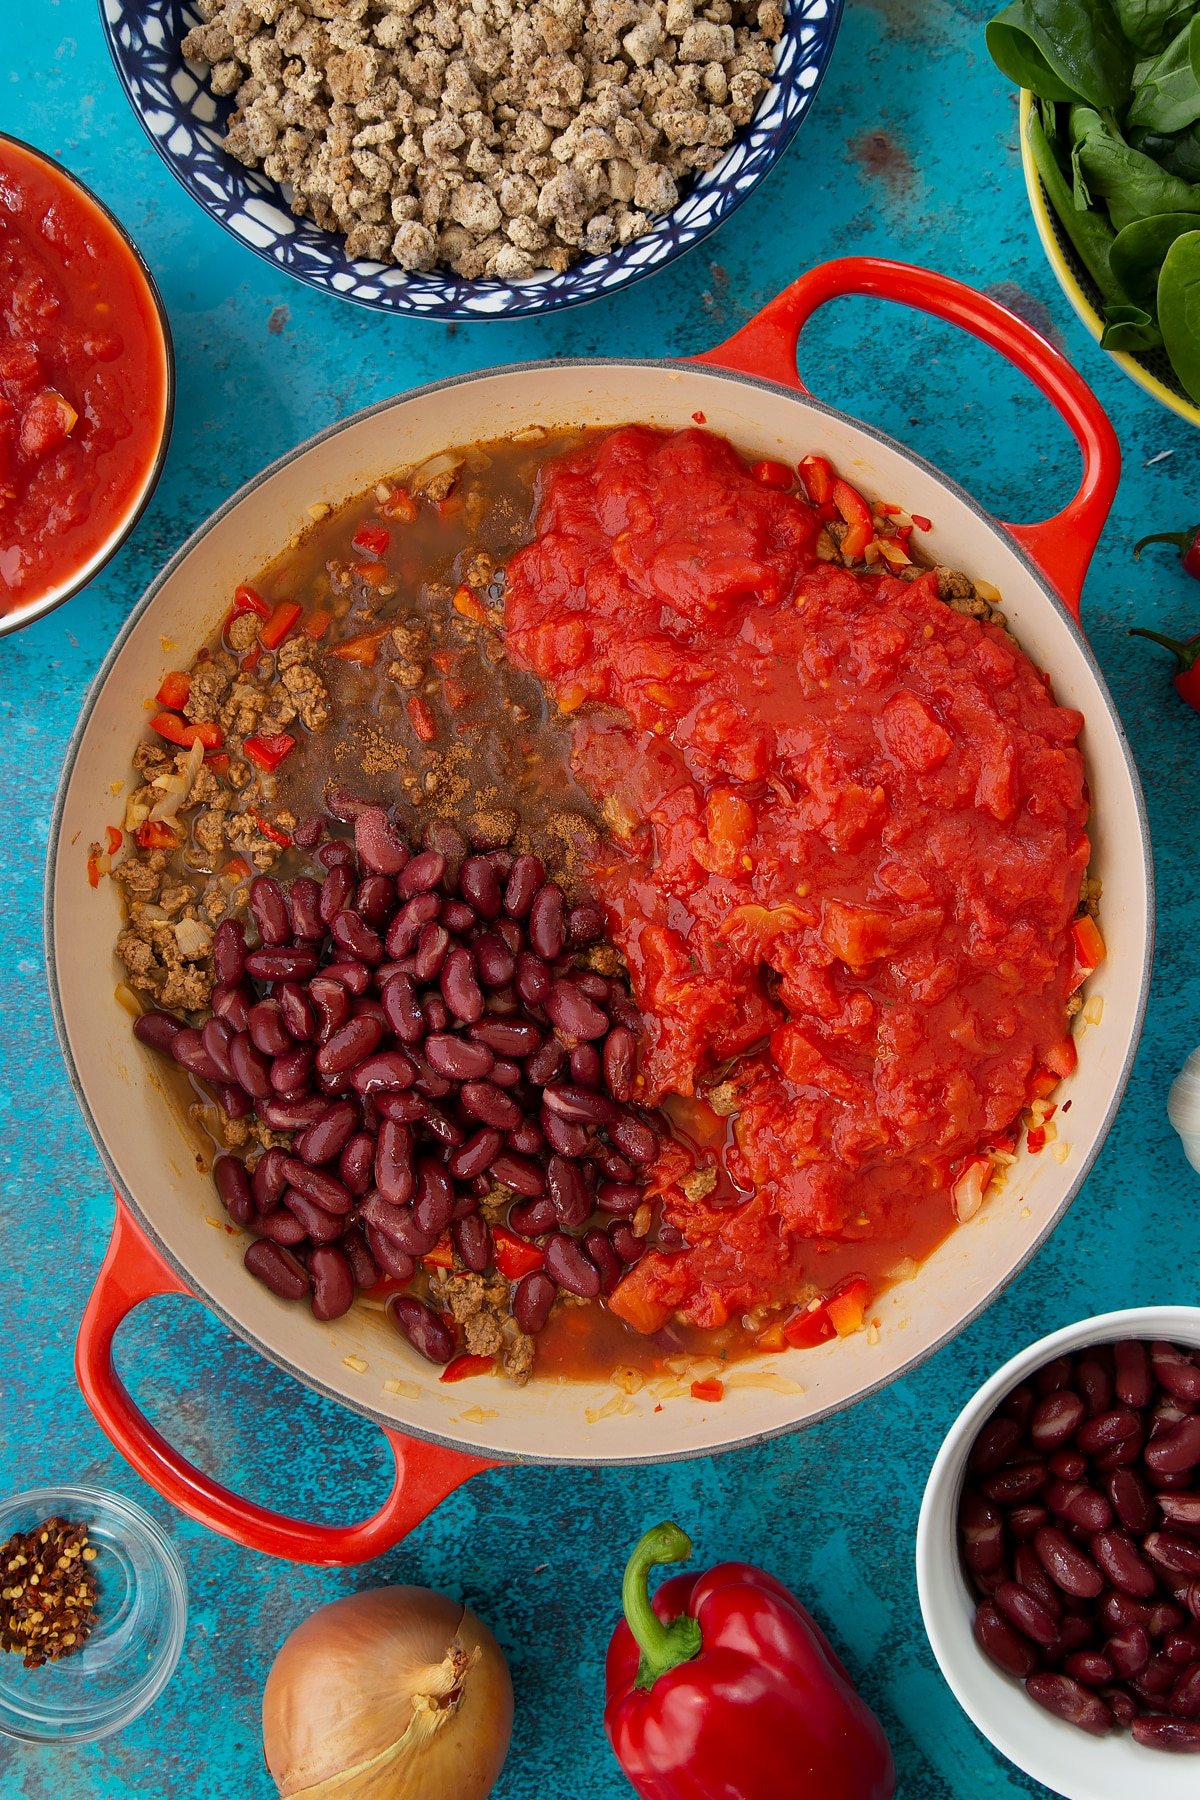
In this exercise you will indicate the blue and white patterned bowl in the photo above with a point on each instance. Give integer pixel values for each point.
(186, 124)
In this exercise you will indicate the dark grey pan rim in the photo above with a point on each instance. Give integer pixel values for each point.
(40, 609)
(244, 1332)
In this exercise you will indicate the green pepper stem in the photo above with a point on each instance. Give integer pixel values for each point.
(1185, 654)
(1180, 539)
(662, 1646)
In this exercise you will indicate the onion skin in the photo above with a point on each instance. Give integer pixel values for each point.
(396, 1693)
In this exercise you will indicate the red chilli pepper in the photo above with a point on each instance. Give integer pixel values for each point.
(725, 1684)
(269, 752)
(463, 1366)
(279, 624)
(182, 732)
(1186, 652)
(1186, 542)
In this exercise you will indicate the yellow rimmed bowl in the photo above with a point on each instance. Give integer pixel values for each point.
(1151, 369)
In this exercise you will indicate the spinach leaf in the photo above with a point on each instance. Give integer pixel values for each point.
(1180, 155)
(1138, 251)
(1145, 22)
(1133, 184)
(1179, 309)
(1063, 50)
(1089, 233)
(1167, 94)
(1128, 327)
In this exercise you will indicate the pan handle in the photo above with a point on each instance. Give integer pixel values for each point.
(1062, 546)
(133, 1271)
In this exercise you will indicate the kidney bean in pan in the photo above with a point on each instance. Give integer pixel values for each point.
(417, 1022)
(1094, 1598)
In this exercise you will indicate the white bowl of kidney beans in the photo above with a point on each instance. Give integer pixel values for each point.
(1058, 1557)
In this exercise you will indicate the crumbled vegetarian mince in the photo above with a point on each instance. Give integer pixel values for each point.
(47, 1592)
(496, 136)
(482, 1306)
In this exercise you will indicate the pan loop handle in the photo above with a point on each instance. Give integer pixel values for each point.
(133, 1271)
(1062, 546)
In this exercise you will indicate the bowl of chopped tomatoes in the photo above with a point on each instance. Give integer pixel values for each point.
(868, 885)
(86, 384)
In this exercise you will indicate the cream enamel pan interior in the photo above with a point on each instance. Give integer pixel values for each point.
(150, 1159)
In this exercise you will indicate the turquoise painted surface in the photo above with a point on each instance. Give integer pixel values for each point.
(912, 151)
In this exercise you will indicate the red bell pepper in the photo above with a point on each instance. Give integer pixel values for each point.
(156, 834)
(725, 1685)
(269, 752)
(1187, 663)
(248, 599)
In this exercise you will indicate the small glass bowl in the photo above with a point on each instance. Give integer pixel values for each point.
(141, 1613)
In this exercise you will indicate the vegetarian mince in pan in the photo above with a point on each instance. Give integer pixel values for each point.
(610, 895)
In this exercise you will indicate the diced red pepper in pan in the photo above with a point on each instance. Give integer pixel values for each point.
(1044, 1082)
(859, 522)
(514, 1256)
(773, 474)
(174, 689)
(371, 540)
(847, 1305)
(218, 762)
(400, 505)
(115, 837)
(248, 599)
(317, 624)
(812, 1326)
(272, 832)
(237, 868)
(363, 650)
(442, 1254)
(421, 719)
(1035, 1139)
(372, 574)
(1089, 950)
(468, 603)
(279, 624)
(817, 475)
(461, 1367)
(93, 870)
(1062, 1057)
(156, 834)
(269, 752)
(709, 1389)
(184, 733)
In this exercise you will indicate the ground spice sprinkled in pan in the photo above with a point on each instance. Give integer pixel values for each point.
(48, 1592)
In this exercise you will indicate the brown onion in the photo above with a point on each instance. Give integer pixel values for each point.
(397, 1693)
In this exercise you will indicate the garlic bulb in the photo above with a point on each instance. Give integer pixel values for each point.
(1183, 1107)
